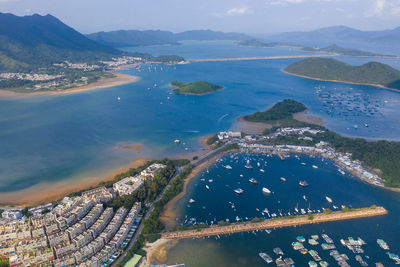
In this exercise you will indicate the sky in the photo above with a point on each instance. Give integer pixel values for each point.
(248, 16)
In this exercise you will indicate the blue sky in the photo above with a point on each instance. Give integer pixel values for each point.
(250, 16)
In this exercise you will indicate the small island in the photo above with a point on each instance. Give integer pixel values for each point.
(280, 111)
(327, 69)
(257, 43)
(195, 88)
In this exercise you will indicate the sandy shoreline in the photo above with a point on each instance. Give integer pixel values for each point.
(318, 79)
(119, 79)
(157, 252)
(47, 192)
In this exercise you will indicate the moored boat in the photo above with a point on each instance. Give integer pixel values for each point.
(253, 181)
(266, 190)
(265, 257)
(303, 183)
(238, 190)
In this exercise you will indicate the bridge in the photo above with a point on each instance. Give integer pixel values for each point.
(277, 223)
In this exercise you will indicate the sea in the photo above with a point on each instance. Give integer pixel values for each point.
(67, 138)
(221, 203)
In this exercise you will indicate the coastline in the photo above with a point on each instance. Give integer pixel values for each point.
(337, 81)
(45, 192)
(157, 251)
(258, 58)
(119, 79)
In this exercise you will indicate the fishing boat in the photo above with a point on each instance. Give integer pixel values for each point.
(207, 187)
(315, 166)
(312, 242)
(315, 237)
(253, 181)
(262, 170)
(283, 179)
(328, 199)
(278, 251)
(266, 190)
(228, 167)
(238, 191)
(323, 263)
(304, 197)
(382, 244)
(177, 141)
(265, 257)
(303, 163)
(303, 183)
(258, 164)
(327, 238)
(312, 264)
(301, 239)
(191, 200)
(211, 180)
(297, 245)
(248, 166)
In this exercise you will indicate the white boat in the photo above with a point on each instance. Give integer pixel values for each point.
(211, 180)
(191, 200)
(266, 190)
(283, 179)
(329, 199)
(262, 170)
(304, 197)
(208, 188)
(238, 190)
(241, 175)
(228, 167)
(303, 163)
(315, 167)
(177, 141)
(118, 98)
(258, 164)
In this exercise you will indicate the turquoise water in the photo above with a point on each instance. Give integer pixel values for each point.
(242, 249)
(70, 137)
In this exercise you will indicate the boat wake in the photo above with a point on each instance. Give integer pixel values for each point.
(222, 117)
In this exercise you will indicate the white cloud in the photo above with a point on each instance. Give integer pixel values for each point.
(383, 7)
(237, 11)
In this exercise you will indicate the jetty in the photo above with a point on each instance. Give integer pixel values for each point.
(312, 218)
(258, 58)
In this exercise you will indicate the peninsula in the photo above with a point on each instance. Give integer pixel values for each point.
(327, 69)
(195, 88)
(335, 49)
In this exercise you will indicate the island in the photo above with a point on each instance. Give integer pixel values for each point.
(257, 43)
(335, 49)
(327, 69)
(195, 88)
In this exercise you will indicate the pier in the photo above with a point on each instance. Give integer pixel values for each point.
(278, 223)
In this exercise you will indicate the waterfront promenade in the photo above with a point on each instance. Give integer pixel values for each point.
(277, 223)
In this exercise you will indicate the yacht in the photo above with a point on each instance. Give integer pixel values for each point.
(266, 190)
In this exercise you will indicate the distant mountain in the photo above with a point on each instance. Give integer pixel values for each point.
(344, 51)
(36, 41)
(373, 73)
(340, 35)
(151, 37)
(257, 43)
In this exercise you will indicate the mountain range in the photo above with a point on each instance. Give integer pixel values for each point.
(340, 35)
(29, 42)
(156, 37)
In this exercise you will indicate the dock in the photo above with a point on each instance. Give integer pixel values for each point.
(278, 223)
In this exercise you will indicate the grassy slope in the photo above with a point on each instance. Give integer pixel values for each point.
(280, 111)
(331, 69)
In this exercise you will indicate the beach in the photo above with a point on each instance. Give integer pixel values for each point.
(157, 251)
(47, 192)
(119, 79)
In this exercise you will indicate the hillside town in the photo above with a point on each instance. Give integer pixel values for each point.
(77, 231)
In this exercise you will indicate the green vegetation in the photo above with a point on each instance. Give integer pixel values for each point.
(344, 51)
(152, 224)
(211, 140)
(279, 111)
(4, 262)
(373, 73)
(195, 88)
(310, 217)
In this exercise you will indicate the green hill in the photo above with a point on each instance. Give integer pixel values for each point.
(373, 73)
(195, 88)
(31, 42)
(279, 111)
